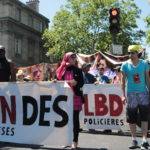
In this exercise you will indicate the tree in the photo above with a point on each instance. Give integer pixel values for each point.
(83, 26)
(148, 30)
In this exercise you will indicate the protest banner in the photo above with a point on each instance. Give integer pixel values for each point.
(36, 113)
(103, 107)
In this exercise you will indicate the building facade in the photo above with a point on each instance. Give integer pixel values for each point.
(21, 27)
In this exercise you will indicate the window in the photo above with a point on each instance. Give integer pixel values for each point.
(31, 47)
(41, 26)
(18, 46)
(30, 21)
(1, 25)
(38, 25)
(18, 14)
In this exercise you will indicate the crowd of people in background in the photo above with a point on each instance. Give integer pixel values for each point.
(133, 72)
(35, 74)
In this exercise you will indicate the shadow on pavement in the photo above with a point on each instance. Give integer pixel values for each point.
(7, 146)
(118, 133)
(92, 149)
(105, 132)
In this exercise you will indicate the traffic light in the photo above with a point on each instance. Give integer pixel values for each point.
(114, 20)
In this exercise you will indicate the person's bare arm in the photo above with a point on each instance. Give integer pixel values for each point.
(123, 78)
(95, 62)
(148, 79)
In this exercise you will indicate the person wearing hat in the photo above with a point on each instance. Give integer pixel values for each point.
(20, 75)
(136, 81)
(7, 69)
(88, 78)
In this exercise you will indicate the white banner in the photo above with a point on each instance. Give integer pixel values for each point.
(36, 113)
(103, 108)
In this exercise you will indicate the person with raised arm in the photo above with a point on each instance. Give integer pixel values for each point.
(69, 71)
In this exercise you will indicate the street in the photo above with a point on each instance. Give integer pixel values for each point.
(87, 141)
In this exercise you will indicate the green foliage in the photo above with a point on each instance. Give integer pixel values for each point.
(83, 26)
(147, 20)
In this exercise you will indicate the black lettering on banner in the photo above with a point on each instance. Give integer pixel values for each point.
(101, 121)
(12, 131)
(90, 121)
(117, 122)
(26, 101)
(104, 121)
(7, 131)
(3, 131)
(113, 121)
(43, 110)
(60, 111)
(122, 123)
(108, 121)
(85, 120)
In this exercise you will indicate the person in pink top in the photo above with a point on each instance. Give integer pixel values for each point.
(69, 71)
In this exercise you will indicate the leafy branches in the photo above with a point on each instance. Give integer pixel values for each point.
(83, 26)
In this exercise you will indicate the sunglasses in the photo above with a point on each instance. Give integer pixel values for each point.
(132, 52)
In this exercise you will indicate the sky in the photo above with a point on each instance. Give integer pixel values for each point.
(144, 5)
(48, 8)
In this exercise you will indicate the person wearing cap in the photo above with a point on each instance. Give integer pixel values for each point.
(7, 69)
(88, 78)
(136, 81)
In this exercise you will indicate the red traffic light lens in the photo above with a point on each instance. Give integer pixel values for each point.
(114, 12)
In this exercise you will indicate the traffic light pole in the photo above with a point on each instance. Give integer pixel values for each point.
(113, 42)
(113, 38)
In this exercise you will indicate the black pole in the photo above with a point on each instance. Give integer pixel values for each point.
(113, 38)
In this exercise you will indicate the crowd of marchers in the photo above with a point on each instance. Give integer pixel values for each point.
(133, 75)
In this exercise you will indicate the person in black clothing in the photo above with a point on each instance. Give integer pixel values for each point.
(7, 70)
(88, 78)
(69, 71)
